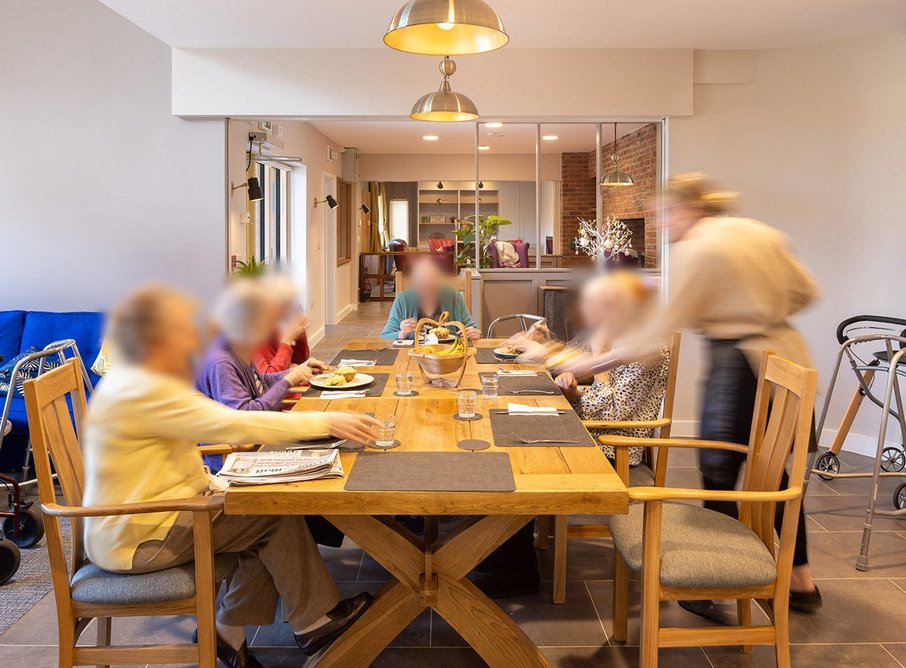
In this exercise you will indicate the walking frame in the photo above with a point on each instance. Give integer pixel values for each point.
(889, 460)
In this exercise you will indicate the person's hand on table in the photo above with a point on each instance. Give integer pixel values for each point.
(316, 365)
(353, 426)
(294, 329)
(473, 333)
(300, 374)
(407, 326)
(570, 386)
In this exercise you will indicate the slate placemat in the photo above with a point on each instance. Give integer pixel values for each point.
(509, 429)
(382, 357)
(508, 385)
(376, 388)
(431, 472)
(487, 356)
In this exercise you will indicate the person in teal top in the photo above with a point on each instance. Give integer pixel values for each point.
(427, 297)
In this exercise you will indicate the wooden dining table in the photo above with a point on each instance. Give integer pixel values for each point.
(431, 571)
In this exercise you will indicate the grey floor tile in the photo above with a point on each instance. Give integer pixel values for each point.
(441, 657)
(898, 650)
(622, 657)
(342, 562)
(33, 656)
(589, 559)
(833, 554)
(847, 513)
(804, 655)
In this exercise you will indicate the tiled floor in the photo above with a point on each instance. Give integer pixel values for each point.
(860, 624)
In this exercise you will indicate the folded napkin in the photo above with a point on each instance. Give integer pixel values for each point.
(352, 362)
(521, 409)
(348, 394)
(516, 372)
(401, 343)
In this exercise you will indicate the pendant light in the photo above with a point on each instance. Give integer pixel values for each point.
(444, 104)
(616, 178)
(446, 28)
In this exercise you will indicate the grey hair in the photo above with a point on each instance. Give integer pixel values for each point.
(140, 321)
(242, 312)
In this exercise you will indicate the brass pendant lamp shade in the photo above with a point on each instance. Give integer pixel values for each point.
(616, 178)
(444, 105)
(446, 28)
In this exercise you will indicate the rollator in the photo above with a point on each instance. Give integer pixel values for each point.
(860, 337)
(22, 524)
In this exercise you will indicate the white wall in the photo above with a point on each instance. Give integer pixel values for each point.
(301, 140)
(816, 144)
(101, 187)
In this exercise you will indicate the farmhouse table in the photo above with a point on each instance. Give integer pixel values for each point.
(431, 571)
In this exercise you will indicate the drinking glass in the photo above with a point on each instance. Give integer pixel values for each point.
(465, 401)
(404, 383)
(385, 432)
(489, 385)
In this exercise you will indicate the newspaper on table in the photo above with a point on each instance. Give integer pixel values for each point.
(264, 468)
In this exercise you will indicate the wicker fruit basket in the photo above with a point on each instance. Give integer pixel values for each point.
(437, 360)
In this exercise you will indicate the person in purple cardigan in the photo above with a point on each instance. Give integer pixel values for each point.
(227, 373)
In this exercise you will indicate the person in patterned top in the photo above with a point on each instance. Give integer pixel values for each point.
(611, 306)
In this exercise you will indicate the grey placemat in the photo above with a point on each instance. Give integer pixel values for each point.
(376, 388)
(381, 357)
(487, 356)
(431, 472)
(508, 385)
(509, 429)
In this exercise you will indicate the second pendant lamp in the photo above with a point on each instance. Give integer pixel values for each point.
(616, 178)
(444, 104)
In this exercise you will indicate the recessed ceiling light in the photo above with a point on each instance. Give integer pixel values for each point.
(430, 137)
(493, 125)
(484, 147)
(550, 137)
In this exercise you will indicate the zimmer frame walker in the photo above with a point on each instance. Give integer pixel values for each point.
(865, 373)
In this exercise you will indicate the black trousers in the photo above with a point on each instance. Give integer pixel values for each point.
(516, 559)
(727, 412)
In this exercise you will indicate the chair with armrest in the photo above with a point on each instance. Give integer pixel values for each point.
(82, 590)
(654, 472)
(687, 552)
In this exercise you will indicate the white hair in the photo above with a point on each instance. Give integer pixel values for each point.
(242, 312)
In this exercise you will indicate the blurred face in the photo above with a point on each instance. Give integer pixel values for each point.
(606, 306)
(427, 280)
(679, 218)
(179, 343)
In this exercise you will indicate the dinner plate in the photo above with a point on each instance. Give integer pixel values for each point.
(501, 352)
(360, 380)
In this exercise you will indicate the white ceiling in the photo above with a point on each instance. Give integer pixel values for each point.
(698, 24)
(405, 136)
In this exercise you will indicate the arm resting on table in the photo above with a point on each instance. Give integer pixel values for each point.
(630, 441)
(225, 448)
(680, 494)
(196, 503)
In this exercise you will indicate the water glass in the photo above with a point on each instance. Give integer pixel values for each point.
(404, 383)
(385, 432)
(465, 402)
(489, 385)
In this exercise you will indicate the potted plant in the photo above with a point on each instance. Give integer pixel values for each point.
(488, 227)
(251, 267)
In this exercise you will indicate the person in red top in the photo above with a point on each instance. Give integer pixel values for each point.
(289, 345)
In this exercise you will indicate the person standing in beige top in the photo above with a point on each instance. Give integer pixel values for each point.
(140, 443)
(735, 281)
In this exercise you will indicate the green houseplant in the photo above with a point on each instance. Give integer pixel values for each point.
(488, 227)
(251, 267)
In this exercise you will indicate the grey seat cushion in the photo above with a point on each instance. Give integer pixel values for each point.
(641, 476)
(699, 548)
(95, 585)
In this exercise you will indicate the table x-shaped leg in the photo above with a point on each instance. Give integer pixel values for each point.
(432, 576)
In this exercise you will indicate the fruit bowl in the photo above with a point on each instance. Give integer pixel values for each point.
(442, 359)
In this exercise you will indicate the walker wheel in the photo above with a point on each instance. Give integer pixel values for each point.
(893, 459)
(828, 462)
(31, 528)
(9, 559)
(899, 497)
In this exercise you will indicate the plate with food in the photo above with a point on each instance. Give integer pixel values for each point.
(341, 378)
(508, 352)
(441, 334)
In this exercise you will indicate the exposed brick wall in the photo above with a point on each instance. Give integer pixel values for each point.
(638, 157)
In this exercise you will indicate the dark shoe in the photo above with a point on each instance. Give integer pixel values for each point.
(496, 587)
(414, 523)
(341, 618)
(806, 601)
(708, 610)
(233, 658)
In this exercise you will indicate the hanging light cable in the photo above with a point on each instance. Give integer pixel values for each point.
(446, 28)
(444, 105)
(616, 178)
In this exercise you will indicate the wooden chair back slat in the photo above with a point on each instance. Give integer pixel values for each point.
(659, 460)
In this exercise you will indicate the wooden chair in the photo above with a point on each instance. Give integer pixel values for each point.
(83, 591)
(653, 473)
(686, 552)
(462, 282)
